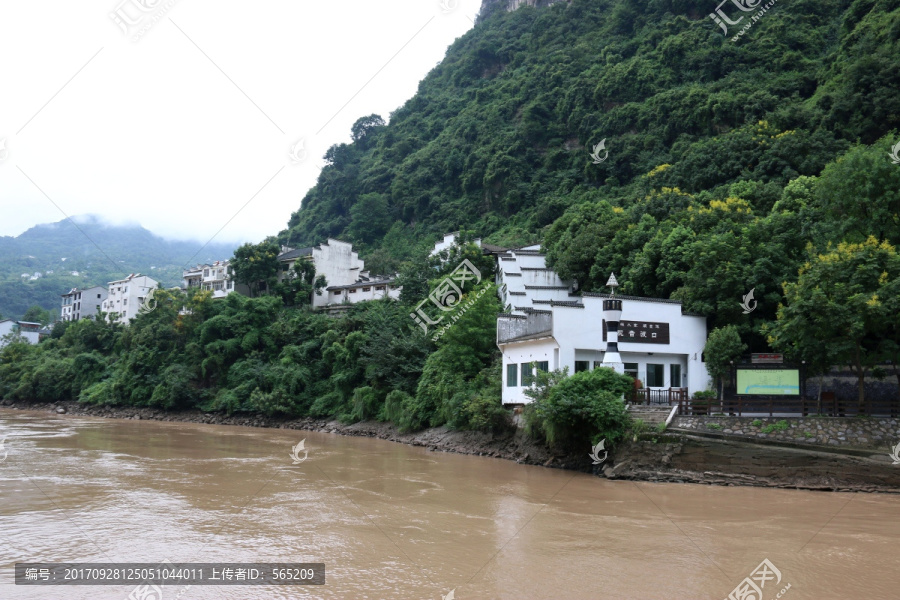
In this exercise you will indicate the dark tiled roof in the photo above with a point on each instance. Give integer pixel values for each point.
(569, 303)
(508, 258)
(292, 254)
(546, 287)
(500, 316)
(492, 249)
(359, 284)
(530, 310)
(517, 293)
(534, 269)
(529, 252)
(505, 274)
(621, 297)
(541, 301)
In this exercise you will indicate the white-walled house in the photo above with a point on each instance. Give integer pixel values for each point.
(658, 343)
(338, 262)
(81, 304)
(366, 288)
(216, 278)
(525, 283)
(30, 332)
(126, 296)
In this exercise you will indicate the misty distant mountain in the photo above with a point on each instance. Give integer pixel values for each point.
(48, 260)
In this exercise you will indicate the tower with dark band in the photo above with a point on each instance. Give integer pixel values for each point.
(612, 312)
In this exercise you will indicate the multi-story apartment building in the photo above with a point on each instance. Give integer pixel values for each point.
(80, 304)
(126, 296)
(216, 278)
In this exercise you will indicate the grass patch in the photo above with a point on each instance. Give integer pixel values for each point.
(779, 426)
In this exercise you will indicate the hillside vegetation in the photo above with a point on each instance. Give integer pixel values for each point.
(759, 164)
(97, 252)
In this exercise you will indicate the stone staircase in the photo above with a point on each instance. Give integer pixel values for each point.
(651, 415)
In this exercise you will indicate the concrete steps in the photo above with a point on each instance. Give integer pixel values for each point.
(651, 415)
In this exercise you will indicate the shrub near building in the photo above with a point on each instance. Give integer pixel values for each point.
(571, 411)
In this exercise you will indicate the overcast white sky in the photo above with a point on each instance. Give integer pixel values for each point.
(180, 129)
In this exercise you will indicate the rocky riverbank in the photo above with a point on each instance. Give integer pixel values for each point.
(672, 457)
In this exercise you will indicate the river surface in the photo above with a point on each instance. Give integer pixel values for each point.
(394, 521)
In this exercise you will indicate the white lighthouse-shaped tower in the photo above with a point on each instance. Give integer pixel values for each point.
(612, 312)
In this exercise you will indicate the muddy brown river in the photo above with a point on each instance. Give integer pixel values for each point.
(393, 521)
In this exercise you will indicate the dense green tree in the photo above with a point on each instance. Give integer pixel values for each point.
(842, 302)
(257, 266)
(723, 347)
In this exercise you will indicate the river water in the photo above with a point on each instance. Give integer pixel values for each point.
(393, 521)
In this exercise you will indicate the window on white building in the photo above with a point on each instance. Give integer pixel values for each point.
(582, 365)
(656, 375)
(674, 375)
(352, 291)
(367, 289)
(527, 375)
(631, 369)
(543, 365)
(511, 375)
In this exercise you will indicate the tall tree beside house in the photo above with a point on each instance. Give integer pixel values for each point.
(845, 299)
(36, 314)
(723, 346)
(301, 284)
(256, 266)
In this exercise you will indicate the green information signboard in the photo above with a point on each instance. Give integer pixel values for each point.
(768, 382)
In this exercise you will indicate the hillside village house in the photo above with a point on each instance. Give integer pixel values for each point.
(365, 288)
(659, 343)
(81, 304)
(216, 278)
(30, 332)
(345, 274)
(126, 297)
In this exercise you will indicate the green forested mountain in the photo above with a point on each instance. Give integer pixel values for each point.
(96, 251)
(704, 135)
(719, 166)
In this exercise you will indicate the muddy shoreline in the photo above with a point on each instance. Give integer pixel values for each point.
(673, 457)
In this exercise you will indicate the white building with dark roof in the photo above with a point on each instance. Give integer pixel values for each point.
(82, 304)
(30, 332)
(525, 283)
(658, 342)
(366, 288)
(346, 279)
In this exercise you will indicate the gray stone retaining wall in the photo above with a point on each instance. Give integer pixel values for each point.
(854, 432)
